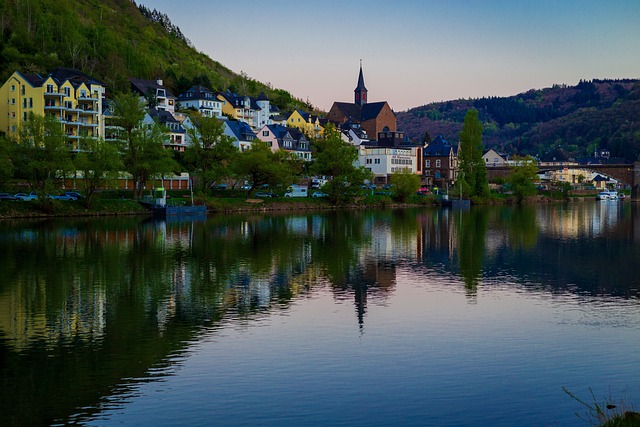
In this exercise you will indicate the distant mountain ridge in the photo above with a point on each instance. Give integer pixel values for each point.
(592, 114)
(112, 40)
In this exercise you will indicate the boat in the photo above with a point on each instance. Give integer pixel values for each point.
(160, 207)
(607, 195)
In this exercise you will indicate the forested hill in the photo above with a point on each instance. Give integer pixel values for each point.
(113, 40)
(592, 114)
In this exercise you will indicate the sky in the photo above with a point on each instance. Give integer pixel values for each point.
(414, 52)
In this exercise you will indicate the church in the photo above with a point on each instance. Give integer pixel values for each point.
(374, 117)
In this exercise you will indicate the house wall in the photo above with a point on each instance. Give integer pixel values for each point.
(385, 118)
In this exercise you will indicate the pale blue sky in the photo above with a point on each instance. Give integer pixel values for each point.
(414, 52)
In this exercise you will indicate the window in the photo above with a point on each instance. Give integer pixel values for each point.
(13, 88)
(67, 91)
(438, 162)
(30, 102)
(13, 114)
(377, 162)
(24, 117)
(265, 133)
(23, 89)
(427, 163)
(171, 102)
(50, 89)
(13, 101)
(368, 161)
(24, 103)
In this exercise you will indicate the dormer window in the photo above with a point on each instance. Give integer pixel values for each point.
(160, 92)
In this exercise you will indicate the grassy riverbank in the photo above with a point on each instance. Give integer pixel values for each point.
(121, 203)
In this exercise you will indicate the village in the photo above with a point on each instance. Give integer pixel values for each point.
(80, 103)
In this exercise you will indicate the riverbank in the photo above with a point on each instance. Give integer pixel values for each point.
(125, 206)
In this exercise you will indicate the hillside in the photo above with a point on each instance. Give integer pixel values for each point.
(593, 114)
(113, 40)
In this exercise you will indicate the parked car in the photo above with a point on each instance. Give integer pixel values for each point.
(263, 195)
(246, 187)
(62, 197)
(221, 187)
(7, 196)
(318, 194)
(73, 194)
(25, 196)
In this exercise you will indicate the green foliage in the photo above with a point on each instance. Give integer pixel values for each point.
(607, 413)
(473, 171)
(262, 166)
(144, 156)
(335, 158)
(212, 154)
(99, 166)
(522, 176)
(112, 40)
(40, 153)
(405, 183)
(529, 123)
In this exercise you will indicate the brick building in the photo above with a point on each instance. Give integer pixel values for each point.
(373, 117)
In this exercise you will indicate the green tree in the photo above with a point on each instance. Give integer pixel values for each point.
(522, 176)
(212, 153)
(144, 156)
(6, 161)
(40, 152)
(336, 158)
(427, 138)
(262, 166)
(473, 174)
(99, 166)
(405, 183)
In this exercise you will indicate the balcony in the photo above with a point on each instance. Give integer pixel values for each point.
(53, 93)
(53, 107)
(88, 124)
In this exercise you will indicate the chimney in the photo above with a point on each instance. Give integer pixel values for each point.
(159, 81)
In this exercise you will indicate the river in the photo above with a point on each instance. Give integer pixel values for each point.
(428, 316)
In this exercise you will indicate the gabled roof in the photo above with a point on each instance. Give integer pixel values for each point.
(62, 74)
(145, 86)
(371, 110)
(34, 79)
(162, 116)
(241, 130)
(353, 112)
(198, 92)
(237, 101)
(439, 147)
(277, 130)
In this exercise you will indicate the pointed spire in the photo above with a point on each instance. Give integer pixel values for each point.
(360, 90)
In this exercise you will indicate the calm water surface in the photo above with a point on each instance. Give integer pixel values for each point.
(413, 317)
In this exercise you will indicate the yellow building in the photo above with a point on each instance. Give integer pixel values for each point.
(307, 123)
(69, 95)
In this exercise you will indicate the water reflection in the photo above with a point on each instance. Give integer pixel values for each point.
(96, 304)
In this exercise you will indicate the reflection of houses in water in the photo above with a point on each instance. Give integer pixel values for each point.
(26, 318)
(437, 237)
(591, 221)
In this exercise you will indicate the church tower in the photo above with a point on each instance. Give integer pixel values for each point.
(360, 91)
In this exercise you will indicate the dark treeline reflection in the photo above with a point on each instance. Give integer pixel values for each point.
(90, 306)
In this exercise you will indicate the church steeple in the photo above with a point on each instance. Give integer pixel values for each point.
(360, 91)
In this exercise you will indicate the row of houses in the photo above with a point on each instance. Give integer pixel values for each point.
(79, 102)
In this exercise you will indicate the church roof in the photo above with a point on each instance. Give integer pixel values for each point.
(354, 112)
(360, 81)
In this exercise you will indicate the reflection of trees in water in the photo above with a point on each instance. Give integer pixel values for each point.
(472, 228)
